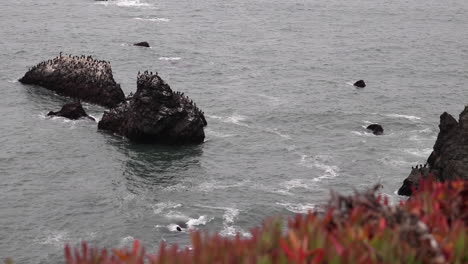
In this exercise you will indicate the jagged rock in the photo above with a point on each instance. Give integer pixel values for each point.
(79, 77)
(360, 84)
(72, 111)
(142, 44)
(376, 129)
(449, 158)
(413, 179)
(156, 114)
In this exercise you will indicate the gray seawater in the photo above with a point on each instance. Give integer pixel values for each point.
(284, 124)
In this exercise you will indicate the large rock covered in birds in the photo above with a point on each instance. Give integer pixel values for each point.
(449, 158)
(79, 77)
(156, 114)
(72, 111)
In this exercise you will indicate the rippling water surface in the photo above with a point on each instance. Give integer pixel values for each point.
(273, 77)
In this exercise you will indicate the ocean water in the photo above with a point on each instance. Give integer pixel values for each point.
(274, 78)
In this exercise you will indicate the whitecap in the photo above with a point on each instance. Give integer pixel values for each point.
(155, 19)
(298, 208)
(170, 58)
(13, 81)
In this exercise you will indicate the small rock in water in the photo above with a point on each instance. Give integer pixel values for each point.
(376, 129)
(179, 229)
(72, 111)
(360, 84)
(142, 44)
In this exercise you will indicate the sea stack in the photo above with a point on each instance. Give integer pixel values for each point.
(72, 111)
(360, 84)
(449, 159)
(156, 114)
(142, 44)
(80, 77)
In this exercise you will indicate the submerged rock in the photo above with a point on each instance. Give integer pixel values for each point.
(79, 77)
(360, 84)
(72, 111)
(376, 129)
(449, 158)
(156, 114)
(142, 44)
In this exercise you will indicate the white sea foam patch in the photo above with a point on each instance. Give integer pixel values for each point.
(124, 3)
(218, 185)
(153, 19)
(191, 223)
(202, 220)
(169, 58)
(419, 152)
(276, 132)
(217, 134)
(298, 208)
(320, 162)
(233, 119)
(56, 238)
(126, 241)
(13, 81)
(362, 133)
(236, 119)
(229, 229)
(270, 99)
(409, 117)
(160, 207)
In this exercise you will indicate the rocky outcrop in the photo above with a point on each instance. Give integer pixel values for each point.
(142, 44)
(156, 114)
(449, 158)
(360, 84)
(376, 129)
(72, 111)
(79, 77)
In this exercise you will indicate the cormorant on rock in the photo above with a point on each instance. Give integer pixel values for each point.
(360, 84)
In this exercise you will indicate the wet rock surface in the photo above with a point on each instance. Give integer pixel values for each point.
(72, 111)
(79, 77)
(449, 158)
(360, 84)
(142, 44)
(376, 129)
(156, 114)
